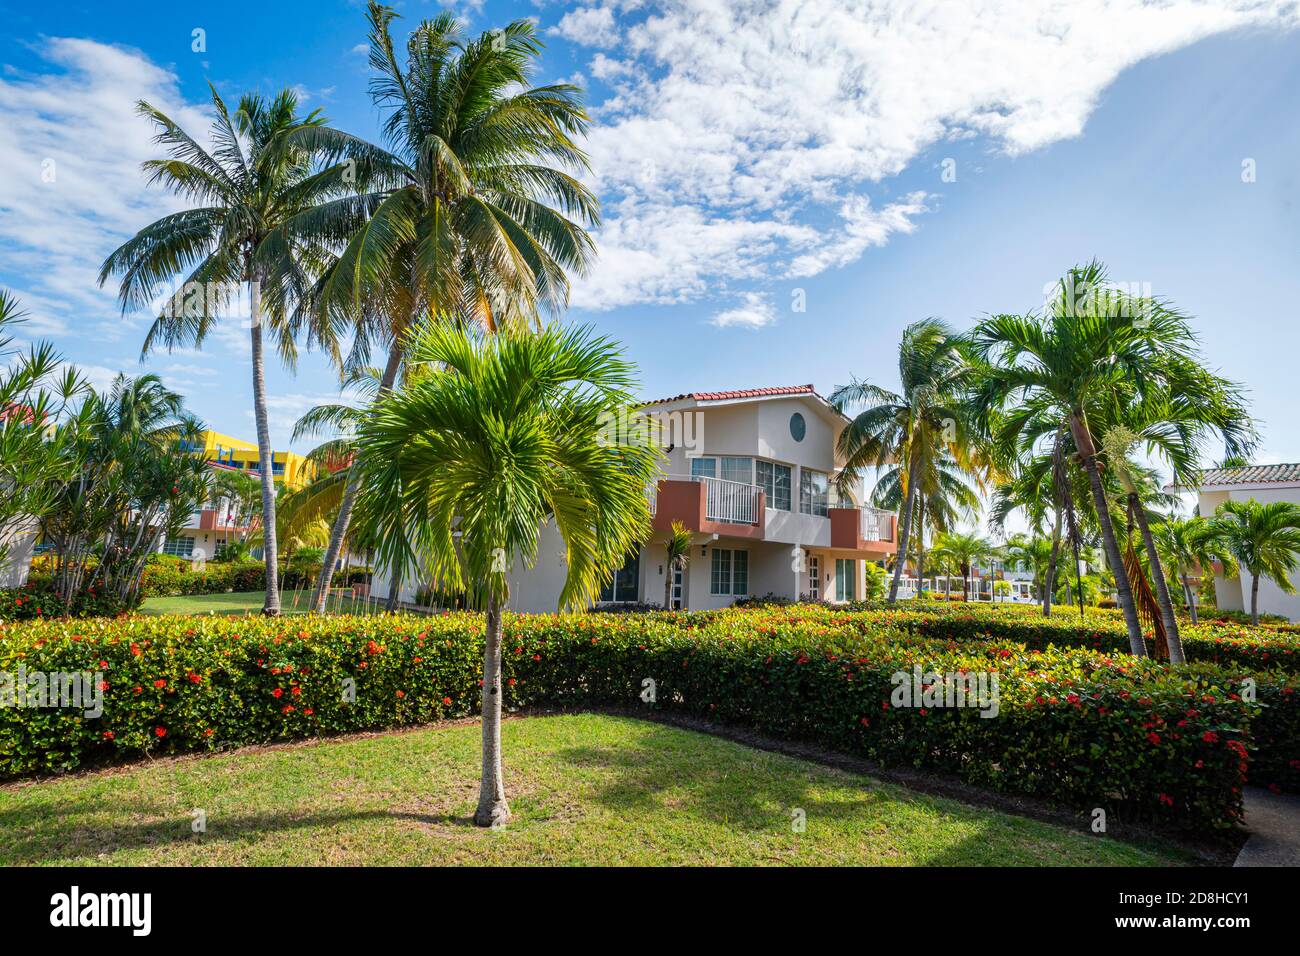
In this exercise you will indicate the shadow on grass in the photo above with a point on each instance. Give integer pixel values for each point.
(90, 839)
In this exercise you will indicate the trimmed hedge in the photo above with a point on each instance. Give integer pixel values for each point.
(1073, 725)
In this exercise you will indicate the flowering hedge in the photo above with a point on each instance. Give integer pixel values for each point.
(1086, 728)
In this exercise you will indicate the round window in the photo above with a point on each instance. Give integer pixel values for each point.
(798, 428)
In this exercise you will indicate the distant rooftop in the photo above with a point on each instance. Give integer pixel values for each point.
(1285, 474)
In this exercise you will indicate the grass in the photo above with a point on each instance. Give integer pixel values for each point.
(250, 602)
(584, 789)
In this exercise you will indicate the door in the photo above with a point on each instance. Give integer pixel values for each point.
(676, 599)
(814, 578)
(843, 579)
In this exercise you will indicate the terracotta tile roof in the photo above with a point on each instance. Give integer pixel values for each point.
(740, 393)
(1252, 475)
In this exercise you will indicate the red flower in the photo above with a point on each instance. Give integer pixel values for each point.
(447, 701)
(1210, 737)
(1153, 737)
(103, 685)
(511, 682)
(160, 731)
(209, 732)
(160, 683)
(287, 709)
(401, 693)
(278, 692)
(109, 735)
(308, 711)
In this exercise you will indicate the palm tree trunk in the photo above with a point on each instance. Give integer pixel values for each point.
(1190, 596)
(1254, 599)
(1162, 588)
(668, 586)
(265, 458)
(1049, 588)
(394, 589)
(904, 526)
(493, 810)
(1123, 591)
(920, 547)
(341, 520)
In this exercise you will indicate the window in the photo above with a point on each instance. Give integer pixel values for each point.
(220, 548)
(277, 468)
(843, 579)
(724, 467)
(798, 427)
(813, 488)
(729, 573)
(179, 547)
(774, 479)
(625, 586)
(814, 578)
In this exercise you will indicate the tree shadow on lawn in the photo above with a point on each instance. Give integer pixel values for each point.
(89, 839)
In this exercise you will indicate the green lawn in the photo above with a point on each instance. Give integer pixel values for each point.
(585, 789)
(250, 602)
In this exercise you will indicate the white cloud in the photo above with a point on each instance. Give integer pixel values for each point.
(748, 137)
(754, 311)
(588, 26)
(71, 188)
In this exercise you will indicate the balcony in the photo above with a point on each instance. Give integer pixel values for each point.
(709, 505)
(863, 529)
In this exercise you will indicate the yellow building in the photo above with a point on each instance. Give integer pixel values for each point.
(286, 467)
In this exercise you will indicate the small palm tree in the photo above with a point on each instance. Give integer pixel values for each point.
(1265, 540)
(913, 429)
(1188, 546)
(678, 552)
(249, 185)
(501, 436)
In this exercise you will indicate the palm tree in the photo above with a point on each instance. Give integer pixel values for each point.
(678, 552)
(964, 550)
(914, 428)
(473, 214)
(1098, 348)
(475, 457)
(1036, 551)
(251, 183)
(1265, 540)
(1188, 545)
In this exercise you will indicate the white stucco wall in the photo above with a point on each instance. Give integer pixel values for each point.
(1233, 594)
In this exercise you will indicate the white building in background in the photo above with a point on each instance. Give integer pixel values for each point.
(750, 474)
(1264, 483)
(18, 543)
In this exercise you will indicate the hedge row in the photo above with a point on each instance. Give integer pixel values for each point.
(1210, 642)
(165, 579)
(1071, 725)
(1230, 653)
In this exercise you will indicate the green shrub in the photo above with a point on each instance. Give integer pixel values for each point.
(1076, 726)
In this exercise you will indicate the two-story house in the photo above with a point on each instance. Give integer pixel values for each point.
(750, 474)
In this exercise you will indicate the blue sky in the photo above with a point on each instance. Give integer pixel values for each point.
(746, 153)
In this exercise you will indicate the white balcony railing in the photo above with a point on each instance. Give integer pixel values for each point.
(732, 502)
(877, 525)
(652, 493)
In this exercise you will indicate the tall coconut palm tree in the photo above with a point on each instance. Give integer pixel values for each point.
(1265, 540)
(1191, 545)
(475, 457)
(1033, 550)
(254, 180)
(1096, 346)
(914, 428)
(472, 214)
(944, 498)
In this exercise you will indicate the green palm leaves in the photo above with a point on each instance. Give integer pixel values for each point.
(1264, 538)
(466, 464)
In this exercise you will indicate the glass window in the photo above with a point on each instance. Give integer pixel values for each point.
(843, 579)
(704, 468)
(738, 469)
(813, 489)
(729, 573)
(798, 427)
(626, 584)
(774, 479)
(740, 572)
(180, 547)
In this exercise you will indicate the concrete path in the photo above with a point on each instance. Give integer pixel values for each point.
(1273, 820)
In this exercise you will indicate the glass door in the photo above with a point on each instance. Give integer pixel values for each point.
(814, 578)
(843, 579)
